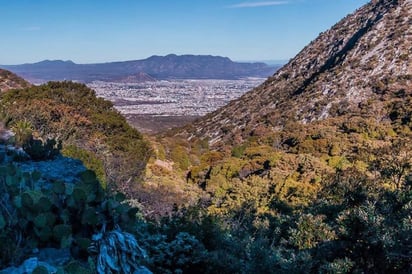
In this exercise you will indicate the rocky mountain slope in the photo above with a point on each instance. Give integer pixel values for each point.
(9, 80)
(159, 67)
(352, 68)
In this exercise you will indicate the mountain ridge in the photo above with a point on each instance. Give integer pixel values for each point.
(336, 73)
(171, 66)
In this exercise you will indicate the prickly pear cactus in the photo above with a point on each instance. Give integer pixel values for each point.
(43, 211)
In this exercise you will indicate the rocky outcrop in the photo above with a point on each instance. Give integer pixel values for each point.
(46, 259)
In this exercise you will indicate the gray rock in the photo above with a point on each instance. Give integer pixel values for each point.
(8, 153)
(61, 168)
(53, 256)
(5, 134)
(29, 266)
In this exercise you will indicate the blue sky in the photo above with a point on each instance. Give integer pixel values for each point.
(90, 31)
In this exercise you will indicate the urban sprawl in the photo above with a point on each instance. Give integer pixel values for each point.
(173, 97)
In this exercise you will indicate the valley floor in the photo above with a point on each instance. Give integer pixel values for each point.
(150, 124)
(154, 107)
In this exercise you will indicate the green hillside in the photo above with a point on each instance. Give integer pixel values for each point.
(10, 80)
(89, 128)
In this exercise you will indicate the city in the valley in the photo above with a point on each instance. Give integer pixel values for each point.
(154, 106)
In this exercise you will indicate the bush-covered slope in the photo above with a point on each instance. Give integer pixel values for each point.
(349, 68)
(310, 172)
(89, 128)
(333, 196)
(10, 80)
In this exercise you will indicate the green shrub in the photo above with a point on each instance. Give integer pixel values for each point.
(180, 156)
(23, 131)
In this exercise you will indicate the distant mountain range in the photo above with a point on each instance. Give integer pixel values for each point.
(155, 67)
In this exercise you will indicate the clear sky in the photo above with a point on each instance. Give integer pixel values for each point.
(90, 31)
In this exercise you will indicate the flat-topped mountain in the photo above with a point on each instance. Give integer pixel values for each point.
(353, 68)
(9, 80)
(156, 67)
